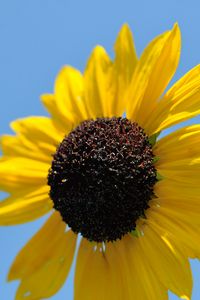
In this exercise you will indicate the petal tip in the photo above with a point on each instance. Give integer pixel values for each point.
(124, 33)
(176, 29)
(10, 275)
(125, 28)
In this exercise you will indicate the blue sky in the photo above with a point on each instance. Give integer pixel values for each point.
(38, 37)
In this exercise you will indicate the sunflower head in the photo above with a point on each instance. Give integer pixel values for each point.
(93, 164)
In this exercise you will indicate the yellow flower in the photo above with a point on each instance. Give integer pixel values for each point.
(132, 198)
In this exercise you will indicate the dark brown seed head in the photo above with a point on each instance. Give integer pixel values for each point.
(102, 178)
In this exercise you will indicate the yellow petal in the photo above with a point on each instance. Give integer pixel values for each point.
(182, 172)
(179, 155)
(59, 120)
(66, 106)
(180, 103)
(138, 280)
(14, 146)
(166, 259)
(34, 253)
(92, 274)
(121, 266)
(120, 272)
(181, 144)
(68, 94)
(96, 80)
(179, 194)
(44, 263)
(26, 206)
(154, 70)
(122, 71)
(36, 138)
(180, 202)
(37, 128)
(180, 209)
(183, 226)
(19, 172)
(111, 273)
(186, 171)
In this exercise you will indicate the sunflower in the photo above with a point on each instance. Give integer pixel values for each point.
(125, 201)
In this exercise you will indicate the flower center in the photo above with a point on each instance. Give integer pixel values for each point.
(102, 178)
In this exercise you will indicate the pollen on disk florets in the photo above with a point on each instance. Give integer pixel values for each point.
(102, 178)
